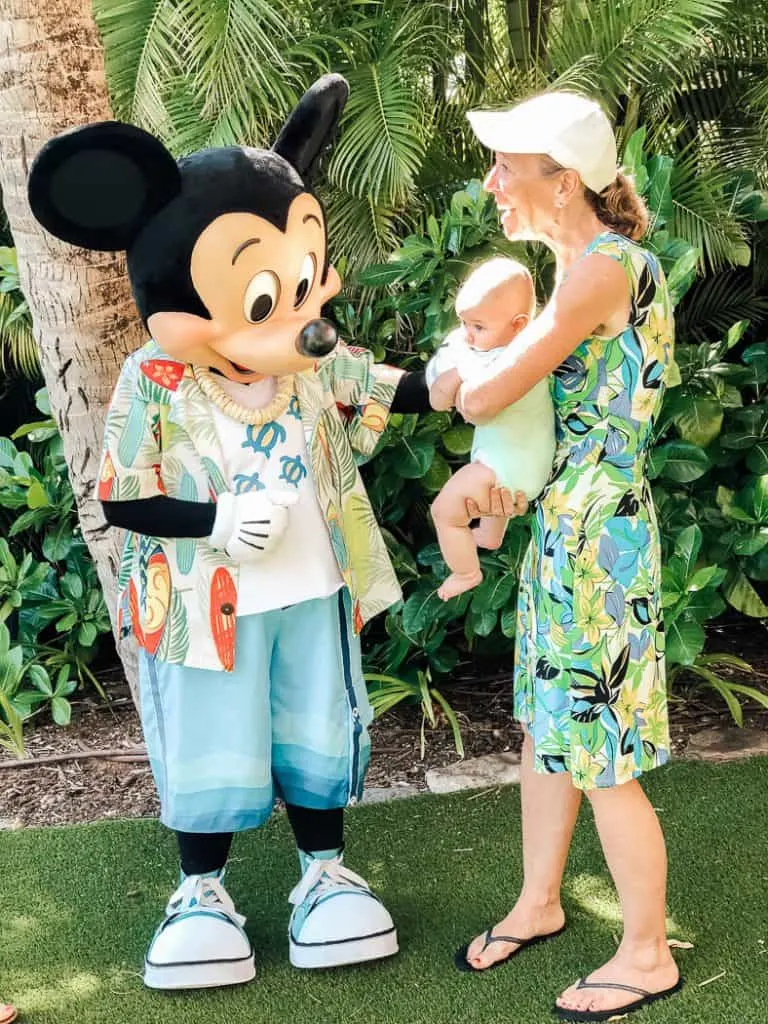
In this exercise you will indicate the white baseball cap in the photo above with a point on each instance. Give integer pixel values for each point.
(572, 130)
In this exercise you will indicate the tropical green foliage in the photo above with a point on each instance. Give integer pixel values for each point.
(52, 612)
(210, 72)
(18, 352)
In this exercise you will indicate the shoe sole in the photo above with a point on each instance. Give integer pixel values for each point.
(340, 954)
(213, 974)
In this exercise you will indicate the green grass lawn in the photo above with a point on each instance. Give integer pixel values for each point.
(78, 905)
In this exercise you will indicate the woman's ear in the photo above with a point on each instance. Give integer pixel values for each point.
(568, 186)
(311, 126)
(97, 186)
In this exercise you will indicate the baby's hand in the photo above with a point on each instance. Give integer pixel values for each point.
(442, 394)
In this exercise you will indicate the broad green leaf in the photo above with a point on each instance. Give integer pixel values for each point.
(683, 462)
(701, 420)
(683, 274)
(685, 641)
(57, 545)
(39, 678)
(381, 274)
(87, 634)
(420, 610)
(757, 460)
(416, 454)
(659, 193)
(36, 496)
(458, 440)
(760, 498)
(61, 711)
(438, 474)
(735, 334)
(634, 159)
(742, 596)
(687, 548)
(708, 576)
(72, 586)
(508, 621)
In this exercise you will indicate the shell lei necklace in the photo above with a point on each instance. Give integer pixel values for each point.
(216, 394)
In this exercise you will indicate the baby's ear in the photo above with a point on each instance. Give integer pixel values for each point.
(311, 126)
(97, 186)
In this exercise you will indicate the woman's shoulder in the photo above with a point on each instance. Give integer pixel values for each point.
(640, 263)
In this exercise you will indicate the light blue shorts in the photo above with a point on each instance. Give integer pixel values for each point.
(290, 721)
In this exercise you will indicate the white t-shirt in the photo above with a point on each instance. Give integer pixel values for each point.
(274, 457)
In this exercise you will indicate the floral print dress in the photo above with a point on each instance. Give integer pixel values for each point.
(589, 661)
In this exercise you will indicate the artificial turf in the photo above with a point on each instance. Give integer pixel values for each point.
(79, 904)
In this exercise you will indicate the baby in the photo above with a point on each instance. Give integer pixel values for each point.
(516, 448)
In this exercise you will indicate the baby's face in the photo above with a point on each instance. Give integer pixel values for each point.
(493, 322)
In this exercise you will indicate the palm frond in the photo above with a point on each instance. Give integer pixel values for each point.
(704, 213)
(361, 231)
(605, 47)
(387, 120)
(225, 43)
(141, 46)
(715, 303)
(18, 349)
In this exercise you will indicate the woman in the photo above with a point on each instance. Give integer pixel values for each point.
(589, 662)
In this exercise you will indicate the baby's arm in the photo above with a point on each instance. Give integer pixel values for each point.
(442, 392)
(442, 374)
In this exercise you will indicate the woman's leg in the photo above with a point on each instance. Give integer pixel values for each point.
(550, 806)
(634, 850)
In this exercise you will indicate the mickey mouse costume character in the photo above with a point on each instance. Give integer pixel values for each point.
(253, 558)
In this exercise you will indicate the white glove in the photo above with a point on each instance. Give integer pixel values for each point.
(248, 526)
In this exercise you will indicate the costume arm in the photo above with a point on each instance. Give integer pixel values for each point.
(364, 391)
(162, 517)
(130, 459)
(130, 485)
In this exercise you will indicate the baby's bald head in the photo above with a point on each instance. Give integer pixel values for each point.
(496, 301)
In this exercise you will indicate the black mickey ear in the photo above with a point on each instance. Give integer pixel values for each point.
(311, 126)
(97, 186)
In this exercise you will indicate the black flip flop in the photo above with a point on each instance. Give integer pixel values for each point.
(646, 998)
(462, 964)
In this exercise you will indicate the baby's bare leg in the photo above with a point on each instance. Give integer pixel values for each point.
(490, 533)
(449, 512)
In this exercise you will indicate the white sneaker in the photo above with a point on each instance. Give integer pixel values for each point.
(337, 919)
(201, 942)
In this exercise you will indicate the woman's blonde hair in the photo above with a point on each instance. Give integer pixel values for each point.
(619, 207)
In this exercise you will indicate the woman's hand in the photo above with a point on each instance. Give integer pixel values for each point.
(501, 502)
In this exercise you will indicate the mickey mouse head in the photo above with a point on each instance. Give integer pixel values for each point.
(227, 252)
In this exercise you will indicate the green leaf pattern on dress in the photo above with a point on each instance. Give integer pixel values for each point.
(589, 664)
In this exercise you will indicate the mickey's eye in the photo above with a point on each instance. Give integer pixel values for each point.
(306, 280)
(261, 297)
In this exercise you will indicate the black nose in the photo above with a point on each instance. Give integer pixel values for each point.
(317, 339)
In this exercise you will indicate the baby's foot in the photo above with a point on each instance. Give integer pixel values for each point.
(458, 582)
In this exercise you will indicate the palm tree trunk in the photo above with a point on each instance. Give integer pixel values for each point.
(52, 77)
(539, 14)
(518, 29)
(474, 44)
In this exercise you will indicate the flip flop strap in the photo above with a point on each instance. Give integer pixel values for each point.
(501, 938)
(583, 983)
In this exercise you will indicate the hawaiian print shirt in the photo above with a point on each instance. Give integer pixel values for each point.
(179, 596)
